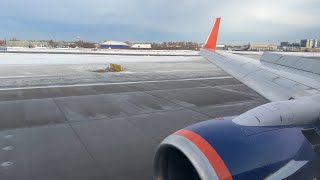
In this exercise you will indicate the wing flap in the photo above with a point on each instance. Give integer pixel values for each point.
(295, 62)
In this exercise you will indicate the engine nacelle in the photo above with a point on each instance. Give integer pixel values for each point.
(222, 149)
(294, 112)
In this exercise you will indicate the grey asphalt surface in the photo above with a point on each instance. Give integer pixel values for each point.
(107, 131)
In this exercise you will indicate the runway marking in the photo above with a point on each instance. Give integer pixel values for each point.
(146, 72)
(115, 83)
(6, 164)
(8, 136)
(8, 148)
(14, 77)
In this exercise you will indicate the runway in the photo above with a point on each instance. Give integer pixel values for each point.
(108, 130)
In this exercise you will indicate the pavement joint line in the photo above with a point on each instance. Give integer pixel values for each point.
(179, 105)
(223, 87)
(238, 103)
(208, 115)
(124, 116)
(164, 99)
(129, 92)
(78, 137)
(80, 140)
(115, 83)
(141, 130)
(185, 88)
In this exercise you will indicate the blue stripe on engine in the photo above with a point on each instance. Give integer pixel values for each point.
(254, 155)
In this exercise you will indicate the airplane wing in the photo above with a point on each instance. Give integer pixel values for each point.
(277, 140)
(277, 77)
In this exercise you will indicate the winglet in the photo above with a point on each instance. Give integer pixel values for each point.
(211, 42)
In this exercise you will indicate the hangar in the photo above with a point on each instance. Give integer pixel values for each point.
(114, 45)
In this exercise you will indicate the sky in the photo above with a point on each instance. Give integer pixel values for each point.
(243, 21)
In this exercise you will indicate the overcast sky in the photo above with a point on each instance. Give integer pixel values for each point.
(160, 20)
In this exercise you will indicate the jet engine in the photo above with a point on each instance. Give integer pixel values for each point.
(238, 149)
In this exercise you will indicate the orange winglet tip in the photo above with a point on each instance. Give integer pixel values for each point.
(211, 42)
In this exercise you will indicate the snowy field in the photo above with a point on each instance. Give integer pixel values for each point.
(18, 70)
(60, 59)
(16, 59)
(41, 70)
(105, 51)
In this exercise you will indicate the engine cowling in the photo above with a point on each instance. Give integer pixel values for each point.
(222, 149)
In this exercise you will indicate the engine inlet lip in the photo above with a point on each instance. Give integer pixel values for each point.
(190, 150)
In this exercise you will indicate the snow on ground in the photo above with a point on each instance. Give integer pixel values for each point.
(60, 59)
(37, 70)
(105, 51)
(145, 52)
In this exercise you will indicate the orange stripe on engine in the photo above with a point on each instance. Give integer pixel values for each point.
(212, 155)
